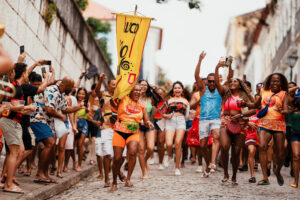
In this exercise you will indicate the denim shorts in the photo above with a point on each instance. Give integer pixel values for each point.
(272, 132)
(41, 130)
(176, 122)
(82, 126)
(295, 136)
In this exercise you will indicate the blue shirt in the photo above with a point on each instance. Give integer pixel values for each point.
(210, 105)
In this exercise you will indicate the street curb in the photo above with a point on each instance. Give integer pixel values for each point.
(54, 189)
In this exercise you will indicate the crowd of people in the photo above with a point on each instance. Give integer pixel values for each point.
(222, 121)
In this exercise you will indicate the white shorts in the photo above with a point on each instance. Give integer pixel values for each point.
(176, 122)
(206, 126)
(104, 143)
(70, 141)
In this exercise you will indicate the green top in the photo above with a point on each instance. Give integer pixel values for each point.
(295, 122)
(149, 107)
(81, 114)
(288, 120)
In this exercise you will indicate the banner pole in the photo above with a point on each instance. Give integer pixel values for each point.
(135, 10)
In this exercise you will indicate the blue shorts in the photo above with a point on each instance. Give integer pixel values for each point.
(82, 126)
(156, 127)
(272, 132)
(41, 130)
(295, 136)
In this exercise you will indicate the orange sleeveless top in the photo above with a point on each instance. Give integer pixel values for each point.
(273, 120)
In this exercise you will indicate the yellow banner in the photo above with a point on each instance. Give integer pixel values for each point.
(131, 37)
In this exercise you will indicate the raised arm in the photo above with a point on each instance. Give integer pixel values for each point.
(230, 74)
(43, 86)
(30, 69)
(199, 80)
(52, 79)
(219, 86)
(98, 86)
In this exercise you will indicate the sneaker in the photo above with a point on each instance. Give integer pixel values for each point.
(199, 169)
(212, 167)
(161, 167)
(177, 172)
(167, 161)
(151, 161)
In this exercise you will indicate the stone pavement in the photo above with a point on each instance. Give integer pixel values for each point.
(190, 185)
(44, 191)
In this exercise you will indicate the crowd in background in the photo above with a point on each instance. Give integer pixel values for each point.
(47, 121)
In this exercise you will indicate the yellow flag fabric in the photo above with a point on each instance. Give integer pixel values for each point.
(132, 33)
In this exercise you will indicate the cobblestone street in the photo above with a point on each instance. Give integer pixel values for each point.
(190, 185)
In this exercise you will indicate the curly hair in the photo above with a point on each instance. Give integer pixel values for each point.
(185, 92)
(244, 93)
(283, 82)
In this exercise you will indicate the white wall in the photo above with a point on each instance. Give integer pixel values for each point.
(25, 26)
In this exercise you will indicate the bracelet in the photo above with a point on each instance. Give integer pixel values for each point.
(242, 115)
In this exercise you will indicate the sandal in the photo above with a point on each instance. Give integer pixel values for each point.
(28, 173)
(92, 162)
(52, 171)
(252, 180)
(58, 175)
(14, 189)
(42, 181)
(224, 180)
(205, 174)
(263, 182)
(294, 185)
(234, 183)
(280, 179)
(122, 177)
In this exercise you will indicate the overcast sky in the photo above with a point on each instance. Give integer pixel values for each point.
(187, 32)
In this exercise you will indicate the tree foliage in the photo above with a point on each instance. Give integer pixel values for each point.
(82, 4)
(97, 26)
(193, 4)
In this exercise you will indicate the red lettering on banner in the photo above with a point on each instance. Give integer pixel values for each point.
(129, 77)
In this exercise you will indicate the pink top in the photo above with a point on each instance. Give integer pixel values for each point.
(231, 104)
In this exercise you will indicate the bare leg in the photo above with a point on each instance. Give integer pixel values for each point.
(169, 142)
(279, 139)
(178, 145)
(225, 146)
(116, 165)
(100, 167)
(215, 145)
(150, 138)
(141, 155)
(296, 160)
(264, 139)
(106, 163)
(11, 163)
(61, 154)
(132, 149)
(238, 143)
(80, 150)
(204, 152)
(251, 160)
(160, 146)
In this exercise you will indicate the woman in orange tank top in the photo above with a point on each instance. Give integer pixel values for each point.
(272, 125)
(131, 112)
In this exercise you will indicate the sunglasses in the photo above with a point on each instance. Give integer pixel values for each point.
(210, 81)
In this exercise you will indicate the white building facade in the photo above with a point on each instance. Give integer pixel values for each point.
(275, 38)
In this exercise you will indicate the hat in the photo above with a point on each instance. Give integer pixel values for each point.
(297, 96)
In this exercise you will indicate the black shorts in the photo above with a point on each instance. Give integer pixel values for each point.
(93, 129)
(144, 129)
(26, 137)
